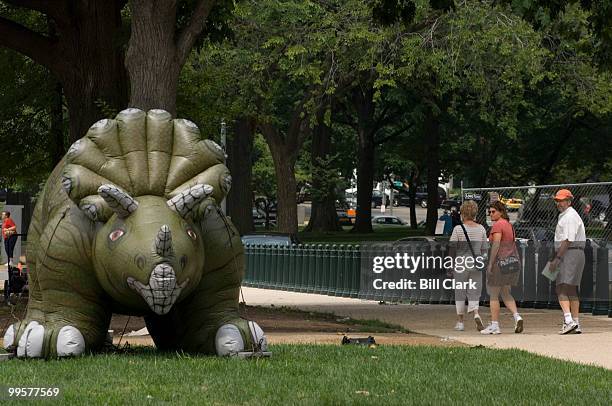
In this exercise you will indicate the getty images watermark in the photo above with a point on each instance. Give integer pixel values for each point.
(408, 265)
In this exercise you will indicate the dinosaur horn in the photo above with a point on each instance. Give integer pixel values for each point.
(118, 200)
(186, 201)
(163, 242)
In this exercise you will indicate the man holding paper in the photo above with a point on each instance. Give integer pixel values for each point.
(570, 239)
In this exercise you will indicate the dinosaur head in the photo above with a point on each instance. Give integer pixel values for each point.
(150, 253)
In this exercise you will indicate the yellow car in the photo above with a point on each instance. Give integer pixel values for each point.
(512, 204)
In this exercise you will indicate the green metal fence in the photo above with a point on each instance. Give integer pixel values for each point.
(336, 270)
(311, 268)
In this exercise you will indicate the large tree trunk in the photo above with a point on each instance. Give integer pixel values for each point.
(92, 70)
(157, 52)
(151, 58)
(323, 216)
(365, 155)
(284, 151)
(240, 155)
(286, 185)
(432, 137)
(82, 51)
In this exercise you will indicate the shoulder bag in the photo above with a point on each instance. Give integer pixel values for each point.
(477, 266)
(512, 262)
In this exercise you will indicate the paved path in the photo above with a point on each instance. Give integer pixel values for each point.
(594, 346)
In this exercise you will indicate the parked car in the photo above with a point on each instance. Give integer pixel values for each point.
(388, 221)
(525, 233)
(270, 239)
(597, 208)
(401, 198)
(345, 213)
(377, 198)
(512, 204)
(451, 202)
(421, 196)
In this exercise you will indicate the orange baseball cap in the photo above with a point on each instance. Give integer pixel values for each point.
(564, 194)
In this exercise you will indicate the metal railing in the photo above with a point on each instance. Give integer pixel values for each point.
(533, 212)
(338, 270)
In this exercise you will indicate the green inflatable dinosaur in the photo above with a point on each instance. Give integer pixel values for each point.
(129, 223)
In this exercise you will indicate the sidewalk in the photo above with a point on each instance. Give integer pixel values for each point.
(594, 346)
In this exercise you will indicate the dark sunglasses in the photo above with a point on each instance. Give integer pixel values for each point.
(492, 211)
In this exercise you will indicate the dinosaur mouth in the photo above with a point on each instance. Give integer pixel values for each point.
(162, 290)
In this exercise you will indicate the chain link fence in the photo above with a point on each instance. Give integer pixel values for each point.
(533, 212)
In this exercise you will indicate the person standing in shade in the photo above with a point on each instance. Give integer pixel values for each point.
(468, 240)
(9, 233)
(501, 239)
(570, 239)
(448, 223)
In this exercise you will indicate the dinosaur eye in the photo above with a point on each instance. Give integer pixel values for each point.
(191, 234)
(115, 235)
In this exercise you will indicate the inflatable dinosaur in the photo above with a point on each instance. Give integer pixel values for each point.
(129, 222)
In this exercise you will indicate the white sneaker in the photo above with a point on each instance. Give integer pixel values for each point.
(578, 330)
(459, 326)
(568, 327)
(518, 325)
(479, 324)
(491, 329)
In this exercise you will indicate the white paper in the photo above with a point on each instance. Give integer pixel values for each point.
(548, 274)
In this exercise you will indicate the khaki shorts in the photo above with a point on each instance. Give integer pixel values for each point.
(570, 269)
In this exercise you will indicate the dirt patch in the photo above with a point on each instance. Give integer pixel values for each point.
(282, 326)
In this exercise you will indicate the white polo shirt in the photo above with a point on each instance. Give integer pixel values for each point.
(570, 227)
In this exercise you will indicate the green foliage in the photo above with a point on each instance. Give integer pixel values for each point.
(26, 90)
(264, 177)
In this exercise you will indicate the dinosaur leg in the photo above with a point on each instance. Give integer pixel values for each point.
(208, 321)
(67, 325)
(67, 312)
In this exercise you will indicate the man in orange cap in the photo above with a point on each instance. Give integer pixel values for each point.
(570, 238)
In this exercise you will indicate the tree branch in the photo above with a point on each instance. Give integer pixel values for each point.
(190, 33)
(56, 10)
(394, 134)
(31, 44)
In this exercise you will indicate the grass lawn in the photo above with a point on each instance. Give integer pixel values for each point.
(317, 375)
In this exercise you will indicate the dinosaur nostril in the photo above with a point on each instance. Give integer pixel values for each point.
(183, 261)
(140, 261)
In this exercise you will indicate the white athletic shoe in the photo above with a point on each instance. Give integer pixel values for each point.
(518, 325)
(479, 324)
(568, 327)
(459, 326)
(491, 329)
(578, 330)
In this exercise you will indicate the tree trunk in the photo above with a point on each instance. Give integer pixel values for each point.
(157, 51)
(240, 155)
(365, 155)
(412, 198)
(286, 185)
(284, 151)
(58, 144)
(151, 58)
(86, 55)
(323, 216)
(432, 140)
(92, 70)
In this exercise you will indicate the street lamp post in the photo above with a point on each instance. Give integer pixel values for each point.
(224, 147)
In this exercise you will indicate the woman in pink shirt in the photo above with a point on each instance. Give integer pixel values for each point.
(501, 238)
